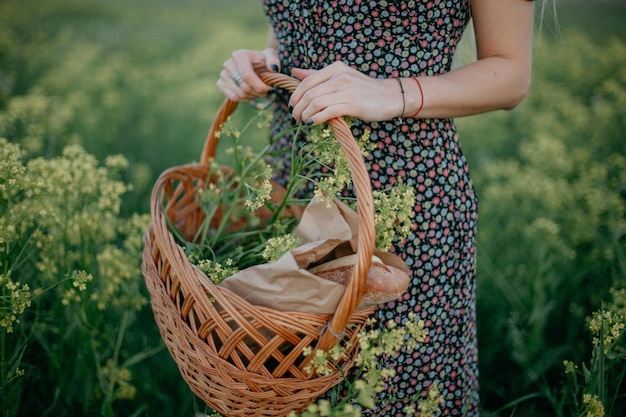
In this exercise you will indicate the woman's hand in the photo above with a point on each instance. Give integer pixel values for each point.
(238, 79)
(339, 90)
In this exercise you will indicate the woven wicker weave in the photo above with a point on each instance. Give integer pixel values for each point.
(241, 359)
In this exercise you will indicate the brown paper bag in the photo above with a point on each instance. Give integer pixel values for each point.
(326, 231)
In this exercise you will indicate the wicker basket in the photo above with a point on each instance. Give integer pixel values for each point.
(241, 359)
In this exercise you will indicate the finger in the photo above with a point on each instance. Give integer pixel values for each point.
(335, 76)
(324, 108)
(314, 84)
(271, 59)
(230, 89)
(244, 62)
(331, 112)
(301, 73)
(313, 95)
(231, 92)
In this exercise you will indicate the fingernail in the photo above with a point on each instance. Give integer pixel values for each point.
(294, 121)
(272, 91)
(274, 67)
(290, 108)
(309, 122)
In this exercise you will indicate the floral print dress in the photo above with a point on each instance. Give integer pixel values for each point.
(404, 38)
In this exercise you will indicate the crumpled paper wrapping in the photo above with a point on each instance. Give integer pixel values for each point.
(326, 231)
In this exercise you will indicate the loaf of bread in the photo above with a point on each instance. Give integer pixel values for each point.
(384, 282)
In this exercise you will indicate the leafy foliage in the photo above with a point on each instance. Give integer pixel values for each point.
(553, 219)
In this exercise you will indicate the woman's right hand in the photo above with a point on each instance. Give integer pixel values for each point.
(239, 81)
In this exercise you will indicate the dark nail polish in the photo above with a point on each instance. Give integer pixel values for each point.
(274, 67)
(290, 108)
(309, 122)
(272, 91)
(294, 121)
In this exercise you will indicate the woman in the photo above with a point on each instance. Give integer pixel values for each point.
(388, 64)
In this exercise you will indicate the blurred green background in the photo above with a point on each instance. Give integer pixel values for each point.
(137, 78)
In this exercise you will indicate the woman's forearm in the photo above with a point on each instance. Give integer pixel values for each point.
(489, 84)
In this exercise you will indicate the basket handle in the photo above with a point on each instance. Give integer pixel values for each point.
(228, 107)
(365, 207)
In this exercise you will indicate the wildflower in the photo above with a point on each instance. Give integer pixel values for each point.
(116, 162)
(7, 232)
(570, 367)
(336, 353)
(416, 331)
(228, 128)
(80, 279)
(11, 170)
(14, 299)
(278, 246)
(365, 144)
(70, 296)
(606, 327)
(209, 196)
(216, 271)
(323, 361)
(121, 287)
(324, 408)
(393, 214)
(79, 282)
(430, 407)
(120, 378)
(365, 393)
(259, 189)
(374, 344)
(593, 406)
(320, 363)
(330, 156)
(263, 119)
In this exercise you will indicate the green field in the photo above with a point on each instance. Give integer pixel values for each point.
(137, 78)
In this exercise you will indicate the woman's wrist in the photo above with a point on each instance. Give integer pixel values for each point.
(402, 92)
(413, 96)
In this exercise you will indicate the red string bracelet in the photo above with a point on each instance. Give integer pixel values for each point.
(422, 94)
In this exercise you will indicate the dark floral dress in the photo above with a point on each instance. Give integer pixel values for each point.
(403, 38)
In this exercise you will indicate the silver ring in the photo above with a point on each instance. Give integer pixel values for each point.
(238, 79)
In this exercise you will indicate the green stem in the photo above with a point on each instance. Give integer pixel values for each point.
(107, 404)
(3, 342)
(602, 363)
(618, 385)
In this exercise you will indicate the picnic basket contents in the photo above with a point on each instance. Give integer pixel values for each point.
(236, 347)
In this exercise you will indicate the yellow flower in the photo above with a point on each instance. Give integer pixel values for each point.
(570, 367)
(593, 405)
(80, 279)
(430, 407)
(259, 189)
(606, 327)
(14, 299)
(394, 209)
(217, 272)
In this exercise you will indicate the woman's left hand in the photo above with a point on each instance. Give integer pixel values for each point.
(339, 90)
